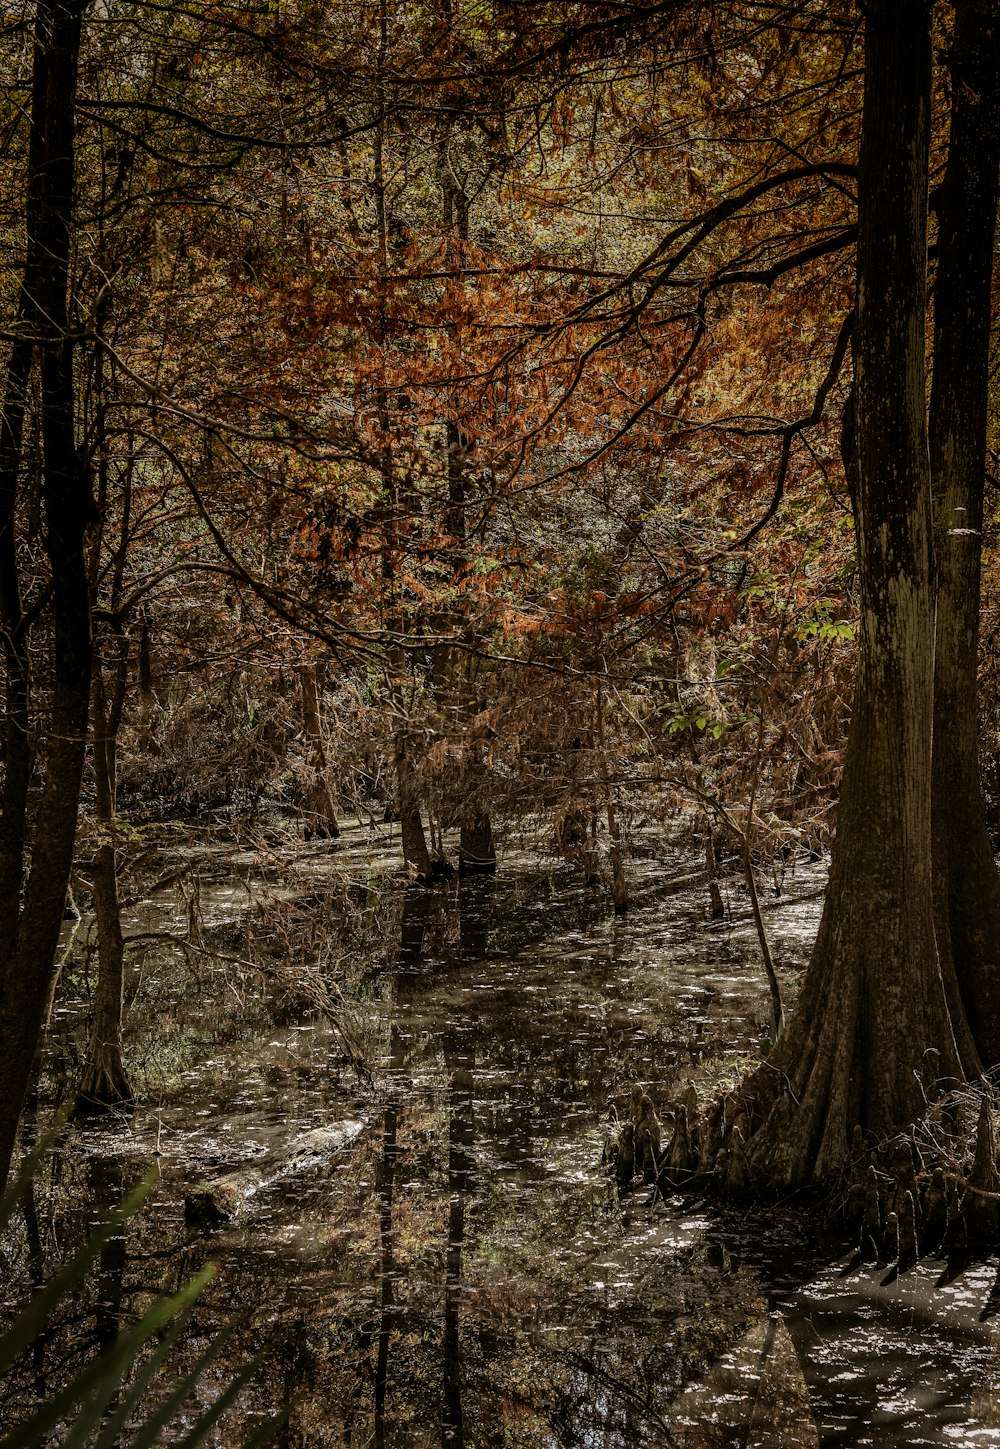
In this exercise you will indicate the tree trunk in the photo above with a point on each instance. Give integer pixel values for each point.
(105, 1082)
(476, 847)
(619, 884)
(873, 1032)
(147, 696)
(321, 814)
(415, 852)
(27, 967)
(966, 882)
(476, 850)
(17, 739)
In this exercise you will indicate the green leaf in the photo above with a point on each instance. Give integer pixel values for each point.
(25, 1329)
(96, 1384)
(79, 1411)
(29, 1166)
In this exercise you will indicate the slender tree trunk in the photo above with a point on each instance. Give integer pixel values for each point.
(717, 909)
(105, 1082)
(476, 847)
(321, 814)
(27, 968)
(619, 884)
(414, 842)
(966, 882)
(415, 852)
(147, 696)
(873, 1032)
(17, 739)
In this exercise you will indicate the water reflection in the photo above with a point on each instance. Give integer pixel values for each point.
(460, 1145)
(889, 1361)
(413, 927)
(475, 906)
(522, 1302)
(414, 919)
(385, 1184)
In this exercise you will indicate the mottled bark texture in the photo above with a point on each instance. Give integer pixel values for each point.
(31, 928)
(873, 1031)
(966, 883)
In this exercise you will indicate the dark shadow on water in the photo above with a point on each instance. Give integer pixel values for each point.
(458, 1265)
(890, 1361)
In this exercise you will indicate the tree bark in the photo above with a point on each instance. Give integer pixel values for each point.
(27, 966)
(17, 738)
(476, 848)
(105, 1081)
(414, 842)
(873, 1031)
(619, 884)
(321, 814)
(966, 882)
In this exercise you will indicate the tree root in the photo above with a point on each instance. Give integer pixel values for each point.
(105, 1086)
(934, 1188)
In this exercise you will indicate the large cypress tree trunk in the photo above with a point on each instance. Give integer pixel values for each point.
(873, 1030)
(28, 964)
(966, 882)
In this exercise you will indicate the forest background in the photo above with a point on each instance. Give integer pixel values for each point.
(437, 409)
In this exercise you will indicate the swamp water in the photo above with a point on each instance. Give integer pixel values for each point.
(417, 1217)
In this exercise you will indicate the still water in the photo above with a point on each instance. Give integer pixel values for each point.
(406, 1140)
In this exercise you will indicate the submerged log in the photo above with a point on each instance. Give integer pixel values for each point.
(204, 1212)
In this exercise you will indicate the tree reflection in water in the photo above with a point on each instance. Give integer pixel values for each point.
(416, 913)
(460, 1139)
